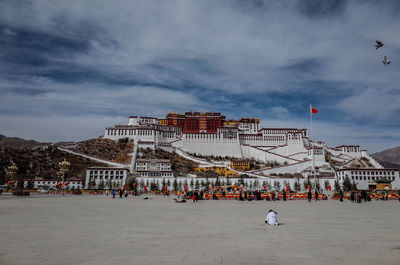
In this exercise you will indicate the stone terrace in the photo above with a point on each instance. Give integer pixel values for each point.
(97, 230)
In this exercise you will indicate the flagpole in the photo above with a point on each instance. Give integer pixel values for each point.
(312, 149)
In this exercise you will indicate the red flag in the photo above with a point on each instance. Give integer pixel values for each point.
(287, 188)
(308, 187)
(329, 188)
(313, 110)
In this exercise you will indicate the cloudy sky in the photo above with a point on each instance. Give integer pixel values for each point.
(68, 69)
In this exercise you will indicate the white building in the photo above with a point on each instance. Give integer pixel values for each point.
(72, 183)
(242, 139)
(366, 178)
(153, 168)
(110, 177)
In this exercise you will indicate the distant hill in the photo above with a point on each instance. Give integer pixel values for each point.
(389, 158)
(19, 143)
(35, 159)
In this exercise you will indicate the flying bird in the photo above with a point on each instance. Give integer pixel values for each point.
(378, 44)
(386, 61)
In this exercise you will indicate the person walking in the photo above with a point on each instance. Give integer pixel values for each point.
(341, 195)
(284, 195)
(277, 195)
(106, 192)
(309, 195)
(113, 194)
(316, 195)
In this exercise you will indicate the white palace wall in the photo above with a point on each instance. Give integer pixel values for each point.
(209, 144)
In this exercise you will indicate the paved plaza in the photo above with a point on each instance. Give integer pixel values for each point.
(92, 229)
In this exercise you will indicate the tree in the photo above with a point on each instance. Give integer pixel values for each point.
(131, 182)
(153, 185)
(101, 185)
(268, 183)
(141, 183)
(228, 182)
(197, 184)
(346, 184)
(168, 183)
(241, 180)
(217, 182)
(91, 184)
(256, 184)
(191, 184)
(297, 186)
(317, 184)
(163, 183)
(175, 184)
(337, 185)
(307, 183)
(353, 185)
(326, 184)
(202, 183)
(29, 185)
(276, 185)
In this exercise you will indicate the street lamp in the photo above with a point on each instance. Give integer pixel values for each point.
(64, 165)
(12, 171)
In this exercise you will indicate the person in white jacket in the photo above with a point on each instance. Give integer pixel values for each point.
(272, 218)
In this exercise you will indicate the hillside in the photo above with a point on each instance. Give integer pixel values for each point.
(19, 143)
(41, 162)
(389, 158)
(116, 151)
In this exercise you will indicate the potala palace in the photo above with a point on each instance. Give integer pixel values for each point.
(212, 134)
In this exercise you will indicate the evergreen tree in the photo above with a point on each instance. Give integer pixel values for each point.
(175, 184)
(101, 185)
(191, 183)
(268, 185)
(337, 185)
(30, 184)
(217, 182)
(326, 184)
(228, 182)
(131, 182)
(353, 185)
(154, 185)
(276, 185)
(197, 185)
(279, 185)
(91, 184)
(241, 180)
(317, 184)
(141, 183)
(297, 186)
(168, 183)
(222, 182)
(185, 183)
(163, 183)
(180, 185)
(346, 184)
(202, 183)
